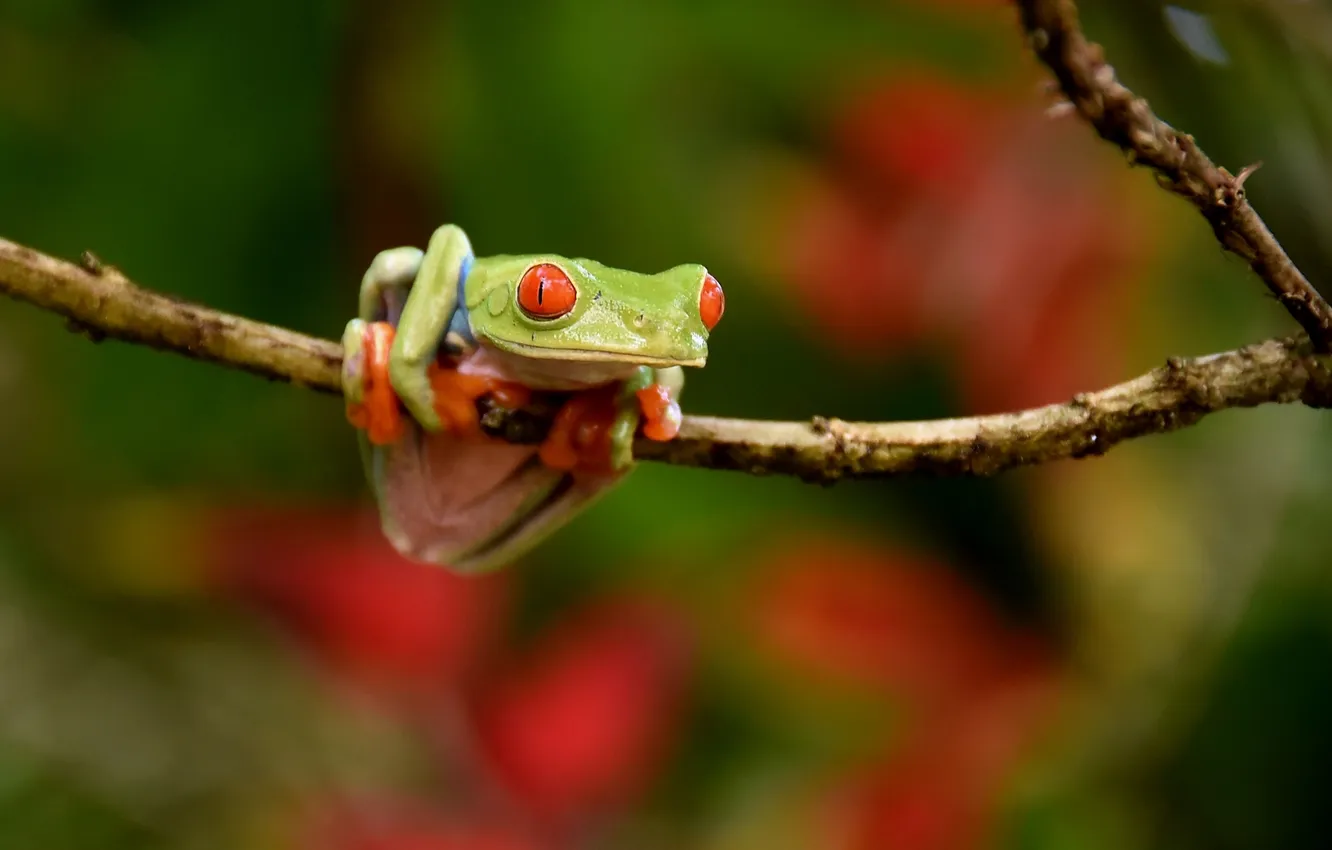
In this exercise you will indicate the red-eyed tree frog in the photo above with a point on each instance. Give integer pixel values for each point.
(439, 329)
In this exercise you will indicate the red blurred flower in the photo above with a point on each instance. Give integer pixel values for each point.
(953, 215)
(582, 723)
(397, 825)
(332, 579)
(941, 791)
(921, 133)
(887, 619)
(976, 689)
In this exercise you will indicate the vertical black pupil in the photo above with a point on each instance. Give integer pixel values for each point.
(541, 289)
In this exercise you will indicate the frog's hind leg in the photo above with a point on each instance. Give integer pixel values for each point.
(384, 289)
(409, 299)
(386, 283)
(370, 403)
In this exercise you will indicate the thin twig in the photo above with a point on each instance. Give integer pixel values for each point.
(1123, 118)
(100, 301)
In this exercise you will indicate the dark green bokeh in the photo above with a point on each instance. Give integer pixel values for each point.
(253, 155)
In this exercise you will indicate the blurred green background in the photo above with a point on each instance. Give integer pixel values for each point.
(204, 642)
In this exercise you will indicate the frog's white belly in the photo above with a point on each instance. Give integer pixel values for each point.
(537, 374)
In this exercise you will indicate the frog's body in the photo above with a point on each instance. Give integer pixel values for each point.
(439, 329)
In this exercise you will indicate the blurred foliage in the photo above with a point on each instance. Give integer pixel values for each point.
(206, 644)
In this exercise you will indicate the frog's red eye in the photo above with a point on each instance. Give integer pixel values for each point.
(711, 303)
(545, 292)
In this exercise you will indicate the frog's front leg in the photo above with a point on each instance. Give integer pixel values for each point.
(594, 431)
(427, 314)
(659, 403)
(655, 396)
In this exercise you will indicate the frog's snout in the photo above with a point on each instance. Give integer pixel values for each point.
(670, 341)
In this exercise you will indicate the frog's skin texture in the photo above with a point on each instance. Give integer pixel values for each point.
(439, 329)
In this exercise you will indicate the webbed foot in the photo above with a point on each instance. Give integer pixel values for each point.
(579, 439)
(661, 412)
(594, 431)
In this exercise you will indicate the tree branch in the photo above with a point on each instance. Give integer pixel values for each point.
(1123, 118)
(99, 301)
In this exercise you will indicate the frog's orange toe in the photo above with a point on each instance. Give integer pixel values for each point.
(661, 413)
(455, 408)
(456, 394)
(379, 413)
(509, 395)
(579, 438)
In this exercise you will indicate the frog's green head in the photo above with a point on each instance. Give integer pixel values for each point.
(549, 307)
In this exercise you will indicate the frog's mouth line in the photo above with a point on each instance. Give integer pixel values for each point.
(585, 356)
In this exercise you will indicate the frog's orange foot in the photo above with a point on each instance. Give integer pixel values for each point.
(579, 438)
(456, 394)
(661, 413)
(378, 413)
